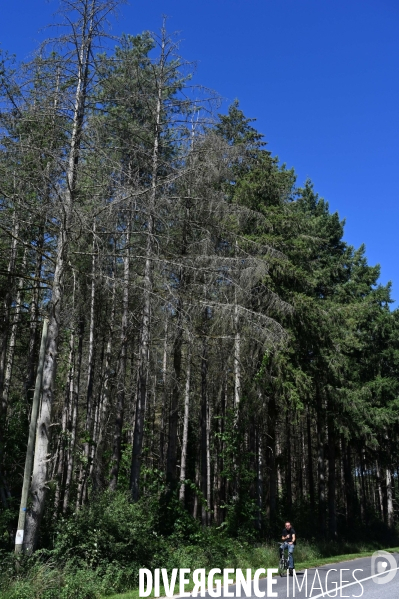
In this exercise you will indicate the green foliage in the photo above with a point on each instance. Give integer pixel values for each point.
(336, 371)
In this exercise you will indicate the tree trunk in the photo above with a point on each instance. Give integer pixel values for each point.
(321, 465)
(310, 464)
(34, 312)
(204, 418)
(121, 380)
(390, 512)
(20, 542)
(237, 361)
(13, 337)
(164, 399)
(271, 428)
(75, 389)
(147, 292)
(39, 477)
(332, 512)
(350, 492)
(208, 464)
(183, 461)
(98, 478)
(90, 383)
(288, 478)
(363, 503)
(66, 412)
(171, 458)
(259, 481)
(5, 324)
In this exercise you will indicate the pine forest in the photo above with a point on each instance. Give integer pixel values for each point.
(189, 349)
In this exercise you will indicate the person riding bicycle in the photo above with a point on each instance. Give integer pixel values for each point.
(289, 541)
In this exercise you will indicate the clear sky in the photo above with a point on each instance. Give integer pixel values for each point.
(320, 76)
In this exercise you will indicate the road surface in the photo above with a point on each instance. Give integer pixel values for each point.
(368, 578)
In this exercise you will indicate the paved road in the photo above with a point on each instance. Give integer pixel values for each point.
(355, 578)
(339, 580)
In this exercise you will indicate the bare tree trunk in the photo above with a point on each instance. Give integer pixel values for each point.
(75, 389)
(390, 512)
(332, 510)
(20, 542)
(363, 500)
(208, 464)
(6, 319)
(13, 337)
(64, 426)
(204, 427)
(147, 291)
(301, 453)
(104, 398)
(350, 491)
(34, 311)
(288, 478)
(259, 480)
(197, 484)
(121, 380)
(171, 458)
(90, 382)
(39, 477)
(237, 364)
(223, 482)
(183, 462)
(273, 463)
(310, 464)
(66, 412)
(165, 399)
(380, 502)
(321, 465)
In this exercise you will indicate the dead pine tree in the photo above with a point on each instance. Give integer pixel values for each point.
(85, 21)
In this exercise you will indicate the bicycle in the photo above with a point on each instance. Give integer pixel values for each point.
(283, 564)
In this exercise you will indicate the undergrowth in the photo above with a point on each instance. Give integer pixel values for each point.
(98, 551)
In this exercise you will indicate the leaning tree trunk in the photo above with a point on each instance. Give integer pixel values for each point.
(19, 539)
(43, 433)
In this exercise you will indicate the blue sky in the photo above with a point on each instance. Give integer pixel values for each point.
(320, 76)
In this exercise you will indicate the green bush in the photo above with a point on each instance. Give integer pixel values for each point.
(99, 551)
(109, 530)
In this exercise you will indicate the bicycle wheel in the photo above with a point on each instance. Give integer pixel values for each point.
(281, 567)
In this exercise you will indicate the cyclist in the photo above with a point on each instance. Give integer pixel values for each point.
(289, 540)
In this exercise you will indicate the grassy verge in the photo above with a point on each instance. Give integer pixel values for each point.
(270, 562)
(45, 578)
